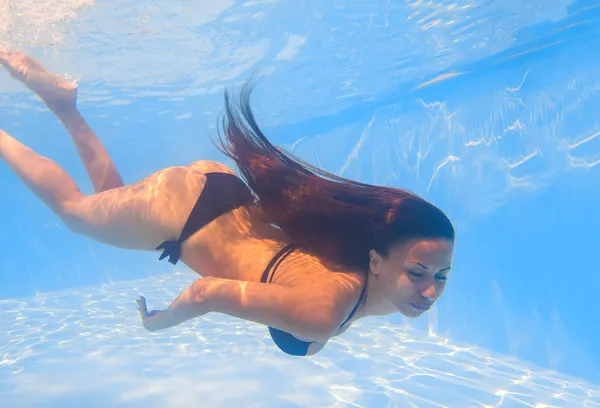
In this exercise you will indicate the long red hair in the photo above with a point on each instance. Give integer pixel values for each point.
(330, 216)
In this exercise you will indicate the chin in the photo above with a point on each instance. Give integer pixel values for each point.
(413, 314)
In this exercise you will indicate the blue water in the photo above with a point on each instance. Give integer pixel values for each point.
(489, 109)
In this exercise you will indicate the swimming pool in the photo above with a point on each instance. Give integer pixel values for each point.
(486, 108)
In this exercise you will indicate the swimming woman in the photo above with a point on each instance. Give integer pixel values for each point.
(285, 244)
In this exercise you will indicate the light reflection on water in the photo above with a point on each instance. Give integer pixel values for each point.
(88, 346)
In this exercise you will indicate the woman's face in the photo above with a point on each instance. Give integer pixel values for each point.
(414, 274)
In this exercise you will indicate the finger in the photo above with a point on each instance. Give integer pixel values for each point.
(143, 304)
(141, 308)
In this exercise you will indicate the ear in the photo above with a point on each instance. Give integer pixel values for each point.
(374, 262)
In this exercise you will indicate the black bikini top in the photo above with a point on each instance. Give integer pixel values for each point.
(285, 341)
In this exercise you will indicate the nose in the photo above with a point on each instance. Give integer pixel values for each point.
(429, 293)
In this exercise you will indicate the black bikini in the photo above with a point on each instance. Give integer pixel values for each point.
(223, 193)
(285, 341)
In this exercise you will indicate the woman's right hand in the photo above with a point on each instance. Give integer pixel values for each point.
(153, 320)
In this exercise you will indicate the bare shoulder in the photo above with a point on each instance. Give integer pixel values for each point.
(333, 286)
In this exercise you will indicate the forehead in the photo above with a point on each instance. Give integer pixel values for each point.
(437, 251)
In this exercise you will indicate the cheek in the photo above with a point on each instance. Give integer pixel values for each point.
(401, 285)
(401, 291)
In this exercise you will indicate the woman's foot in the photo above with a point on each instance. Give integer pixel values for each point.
(56, 92)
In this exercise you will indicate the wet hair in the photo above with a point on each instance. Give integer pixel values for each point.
(328, 215)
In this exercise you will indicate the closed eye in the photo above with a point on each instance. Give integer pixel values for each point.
(419, 275)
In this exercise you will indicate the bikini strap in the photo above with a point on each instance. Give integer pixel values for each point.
(275, 262)
(360, 299)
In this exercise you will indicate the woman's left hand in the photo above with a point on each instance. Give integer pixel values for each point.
(153, 320)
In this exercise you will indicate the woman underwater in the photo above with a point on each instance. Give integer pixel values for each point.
(287, 245)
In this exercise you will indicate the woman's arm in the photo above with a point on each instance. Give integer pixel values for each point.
(310, 312)
(186, 306)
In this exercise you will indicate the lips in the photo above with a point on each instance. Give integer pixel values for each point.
(422, 307)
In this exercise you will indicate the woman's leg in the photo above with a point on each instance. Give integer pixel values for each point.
(139, 216)
(60, 96)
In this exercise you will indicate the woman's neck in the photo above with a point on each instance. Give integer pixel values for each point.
(374, 304)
